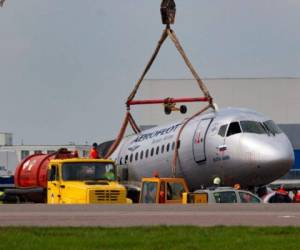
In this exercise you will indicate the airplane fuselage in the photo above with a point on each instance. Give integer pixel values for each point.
(237, 145)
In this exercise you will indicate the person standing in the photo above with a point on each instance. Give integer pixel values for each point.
(94, 154)
(296, 197)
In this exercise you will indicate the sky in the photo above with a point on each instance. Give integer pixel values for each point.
(67, 67)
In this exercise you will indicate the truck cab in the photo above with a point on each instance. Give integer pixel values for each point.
(163, 190)
(84, 181)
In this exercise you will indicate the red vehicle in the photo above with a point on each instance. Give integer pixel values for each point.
(31, 177)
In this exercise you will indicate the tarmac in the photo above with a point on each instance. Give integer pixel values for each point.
(43, 215)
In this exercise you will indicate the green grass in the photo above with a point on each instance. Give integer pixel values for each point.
(163, 237)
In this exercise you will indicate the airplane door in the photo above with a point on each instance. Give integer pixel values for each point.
(199, 140)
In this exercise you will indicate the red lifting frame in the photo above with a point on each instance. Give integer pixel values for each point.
(167, 100)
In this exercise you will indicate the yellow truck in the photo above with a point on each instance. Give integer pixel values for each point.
(64, 178)
(84, 181)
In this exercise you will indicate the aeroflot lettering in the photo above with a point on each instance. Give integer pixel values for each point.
(164, 131)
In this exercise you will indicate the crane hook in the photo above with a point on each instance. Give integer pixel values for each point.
(168, 12)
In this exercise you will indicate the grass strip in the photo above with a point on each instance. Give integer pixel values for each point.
(162, 237)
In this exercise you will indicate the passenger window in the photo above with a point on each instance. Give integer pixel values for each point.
(147, 153)
(142, 155)
(152, 151)
(131, 158)
(234, 128)
(222, 130)
(225, 197)
(149, 192)
(57, 174)
(174, 191)
(53, 173)
(126, 159)
(162, 149)
(248, 198)
(157, 150)
(136, 156)
(121, 159)
(168, 147)
(173, 145)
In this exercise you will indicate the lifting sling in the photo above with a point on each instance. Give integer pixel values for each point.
(168, 11)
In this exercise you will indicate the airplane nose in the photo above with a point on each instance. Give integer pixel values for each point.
(272, 157)
(277, 158)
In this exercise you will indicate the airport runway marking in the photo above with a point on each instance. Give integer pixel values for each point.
(287, 216)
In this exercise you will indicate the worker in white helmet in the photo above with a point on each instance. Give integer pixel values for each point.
(217, 181)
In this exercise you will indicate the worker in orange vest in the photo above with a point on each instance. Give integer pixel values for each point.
(162, 198)
(281, 190)
(94, 151)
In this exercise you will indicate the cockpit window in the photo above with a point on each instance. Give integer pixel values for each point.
(222, 130)
(253, 127)
(272, 127)
(234, 128)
